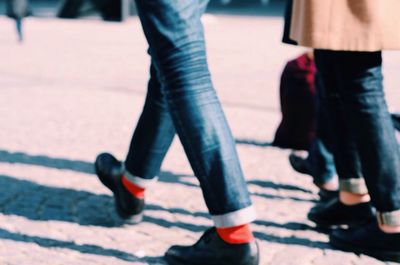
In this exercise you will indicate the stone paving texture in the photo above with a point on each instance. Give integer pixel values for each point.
(76, 88)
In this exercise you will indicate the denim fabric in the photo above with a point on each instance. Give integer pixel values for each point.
(321, 163)
(181, 100)
(320, 157)
(363, 130)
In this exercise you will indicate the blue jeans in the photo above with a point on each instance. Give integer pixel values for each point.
(363, 133)
(181, 100)
(321, 162)
(320, 157)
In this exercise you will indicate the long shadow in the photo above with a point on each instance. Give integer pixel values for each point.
(292, 241)
(251, 142)
(277, 186)
(75, 165)
(46, 161)
(177, 211)
(84, 248)
(38, 202)
(87, 168)
(294, 226)
(278, 197)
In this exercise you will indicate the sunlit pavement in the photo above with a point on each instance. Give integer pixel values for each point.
(76, 88)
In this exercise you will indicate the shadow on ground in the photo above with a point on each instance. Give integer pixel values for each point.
(39, 202)
(165, 176)
(84, 248)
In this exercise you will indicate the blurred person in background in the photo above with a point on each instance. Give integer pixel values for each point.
(181, 100)
(348, 37)
(18, 9)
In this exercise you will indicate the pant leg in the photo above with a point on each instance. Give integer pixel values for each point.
(321, 162)
(320, 158)
(153, 134)
(359, 89)
(176, 38)
(346, 155)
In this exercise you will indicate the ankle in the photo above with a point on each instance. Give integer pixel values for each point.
(331, 185)
(389, 229)
(349, 198)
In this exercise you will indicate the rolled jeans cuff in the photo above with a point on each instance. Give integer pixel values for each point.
(389, 218)
(236, 218)
(138, 181)
(357, 186)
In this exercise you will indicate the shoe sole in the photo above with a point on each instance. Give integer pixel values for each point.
(174, 261)
(129, 219)
(381, 255)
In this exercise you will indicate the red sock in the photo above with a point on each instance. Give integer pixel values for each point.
(236, 235)
(135, 190)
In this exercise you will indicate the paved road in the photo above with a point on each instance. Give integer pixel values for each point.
(75, 88)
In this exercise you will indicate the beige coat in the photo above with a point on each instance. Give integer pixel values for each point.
(349, 25)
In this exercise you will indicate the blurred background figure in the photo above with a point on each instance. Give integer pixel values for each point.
(109, 10)
(18, 9)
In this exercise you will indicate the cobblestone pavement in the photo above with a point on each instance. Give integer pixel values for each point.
(76, 88)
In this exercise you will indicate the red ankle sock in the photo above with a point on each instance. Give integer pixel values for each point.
(236, 235)
(135, 190)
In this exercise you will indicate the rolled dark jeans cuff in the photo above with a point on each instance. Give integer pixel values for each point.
(139, 181)
(389, 218)
(355, 185)
(236, 218)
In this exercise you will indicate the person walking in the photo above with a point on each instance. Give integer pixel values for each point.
(181, 100)
(18, 9)
(348, 37)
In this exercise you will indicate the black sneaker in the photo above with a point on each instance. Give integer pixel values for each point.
(212, 250)
(368, 239)
(335, 213)
(299, 164)
(110, 170)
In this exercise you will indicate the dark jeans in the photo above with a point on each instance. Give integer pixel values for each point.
(320, 158)
(321, 162)
(181, 100)
(363, 132)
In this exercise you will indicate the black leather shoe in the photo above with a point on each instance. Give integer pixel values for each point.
(335, 213)
(110, 170)
(212, 250)
(327, 195)
(368, 239)
(299, 164)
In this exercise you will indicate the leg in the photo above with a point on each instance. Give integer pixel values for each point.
(151, 140)
(320, 156)
(175, 35)
(153, 134)
(352, 206)
(359, 89)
